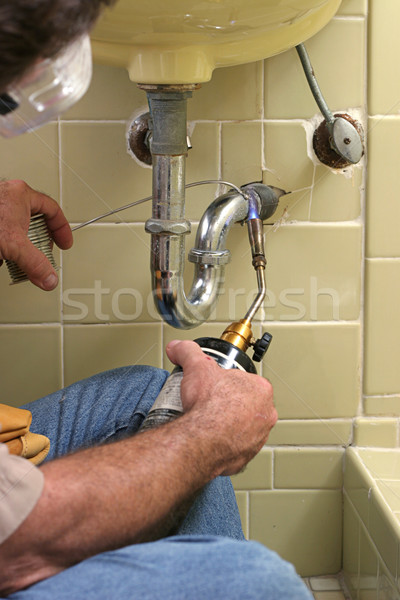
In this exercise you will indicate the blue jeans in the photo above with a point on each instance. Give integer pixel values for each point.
(208, 558)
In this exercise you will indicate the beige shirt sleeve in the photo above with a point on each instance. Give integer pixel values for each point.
(21, 485)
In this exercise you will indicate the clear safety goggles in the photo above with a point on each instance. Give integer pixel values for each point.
(51, 87)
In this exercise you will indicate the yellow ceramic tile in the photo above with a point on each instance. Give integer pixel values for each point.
(257, 474)
(314, 370)
(33, 157)
(383, 464)
(286, 159)
(382, 321)
(383, 49)
(390, 490)
(293, 206)
(337, 55)
(202, 163)
(90, 349)
(324, 278)
(106, 276)
(369, 594)
(98, 174)
(375, 432)
(336, 197)
(206, 330)
(351, 546)
(387, 589)
(241, 152)
(384, 529)
(111, 95)
(234, 93)
(306, 468)
(26, 303)
(336, 595)
(357, 483)
(383, 212)
(30, 363)
(311, 432)
(368, 581)
(398, 554)
(242, 501)
(325, 584)
(382, 405)
(384, 540)
(316, 518)
(353, 7)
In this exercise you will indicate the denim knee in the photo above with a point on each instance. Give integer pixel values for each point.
(240, 569)
(267, 575)
(101, 408)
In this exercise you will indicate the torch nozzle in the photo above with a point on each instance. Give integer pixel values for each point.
(256, 238)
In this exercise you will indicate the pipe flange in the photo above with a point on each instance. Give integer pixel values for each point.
(209, 257)
(323, 146)
(138, 138)
(167, 226)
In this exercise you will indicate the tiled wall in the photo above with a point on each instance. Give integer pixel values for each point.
(371, 549)
(251, 122)
(382, 375)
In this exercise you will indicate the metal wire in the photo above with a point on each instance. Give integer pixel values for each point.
(142, 200)
(40, 236)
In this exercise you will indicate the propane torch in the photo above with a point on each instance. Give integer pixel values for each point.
(229, 351)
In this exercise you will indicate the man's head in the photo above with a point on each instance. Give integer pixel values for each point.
(34, 29)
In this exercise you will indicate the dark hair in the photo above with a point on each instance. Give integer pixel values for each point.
(34, 29)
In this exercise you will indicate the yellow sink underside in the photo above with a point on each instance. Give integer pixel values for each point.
(183, 41)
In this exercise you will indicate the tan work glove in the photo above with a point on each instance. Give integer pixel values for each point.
(14, 432)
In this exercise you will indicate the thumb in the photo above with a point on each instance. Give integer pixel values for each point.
(36, 266)
(187, 354)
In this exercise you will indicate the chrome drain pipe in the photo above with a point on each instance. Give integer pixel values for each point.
(168, 225)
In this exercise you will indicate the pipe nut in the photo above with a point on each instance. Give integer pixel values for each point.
(167, 226)
(209, 257)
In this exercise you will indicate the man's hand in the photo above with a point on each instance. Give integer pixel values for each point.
(17, 203)
(234, 408)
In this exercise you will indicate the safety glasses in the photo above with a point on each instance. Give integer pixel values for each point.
(50, 88)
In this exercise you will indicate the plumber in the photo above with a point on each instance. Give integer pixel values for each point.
(110, 514)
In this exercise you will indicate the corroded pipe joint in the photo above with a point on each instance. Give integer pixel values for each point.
(168, 122)
(266, 196)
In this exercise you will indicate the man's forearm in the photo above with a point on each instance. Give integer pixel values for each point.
(107, 497)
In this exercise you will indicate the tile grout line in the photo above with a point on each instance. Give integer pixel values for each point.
(361, 407)
(61, 275)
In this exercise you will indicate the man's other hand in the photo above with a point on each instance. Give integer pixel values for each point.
(18, 202)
